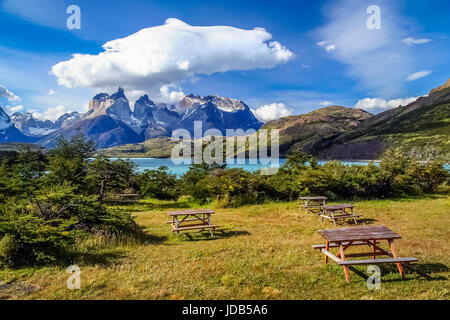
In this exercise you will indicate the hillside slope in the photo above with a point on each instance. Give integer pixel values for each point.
(306, 131)
(424, 121)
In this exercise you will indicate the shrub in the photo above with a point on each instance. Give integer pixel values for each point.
(159, 184)
(230, 187)
(62, 202)
(26, 238)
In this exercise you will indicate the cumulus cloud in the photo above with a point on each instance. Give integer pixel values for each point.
(52, 113)
(5, 93)
(411, 41)
(14, 108)
(271, 112)
(169, 54)
(418, 75)
(379, 104)
(171, 94)
(51, 92)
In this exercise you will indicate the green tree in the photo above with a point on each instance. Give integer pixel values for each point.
(68, 160)
(104, 175)
(159, 184)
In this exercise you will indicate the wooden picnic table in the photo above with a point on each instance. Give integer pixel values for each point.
(199, 219)
(313, 204)
(339, 211)
(344, 238)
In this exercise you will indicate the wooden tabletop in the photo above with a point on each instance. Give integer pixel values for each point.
(314, 198)
(190, 212)
(359, 233)
(338, 206)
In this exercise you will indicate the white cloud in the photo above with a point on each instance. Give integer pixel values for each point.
(51, 114)
(305, 66)
(51, 92)
(169, 54)
(411, 41)
(418, 75)
(15, 108)
(271, 112)
(5, 93)
(379, 104)
(171, 94)
(326, 103)
(327, 45)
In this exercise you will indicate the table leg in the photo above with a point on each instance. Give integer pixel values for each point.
(173, 224)
(332, 216)
(373, 249)
(394, 255)
(342, 256)
(354, 219)
(327, 246)
(176, 224)
(210, 229)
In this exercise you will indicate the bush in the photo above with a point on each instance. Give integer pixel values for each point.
(26, 238)
(159, 184)
(230, 187)
(44, 207)
(301, 175)
(62, 202)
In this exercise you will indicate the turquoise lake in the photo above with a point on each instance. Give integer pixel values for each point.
(154, 163)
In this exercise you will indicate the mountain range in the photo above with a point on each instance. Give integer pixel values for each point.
(334, 132)
(338, 132)
(111, 122)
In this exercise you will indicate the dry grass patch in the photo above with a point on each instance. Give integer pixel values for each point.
(263, 252)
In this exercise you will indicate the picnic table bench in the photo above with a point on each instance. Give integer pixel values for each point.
(344, 238)
(313, 204)
(184, 220)
(339, 211)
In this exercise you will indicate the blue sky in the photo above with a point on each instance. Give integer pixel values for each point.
(327, 54)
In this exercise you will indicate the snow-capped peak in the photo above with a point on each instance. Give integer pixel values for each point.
(5, 121)
(227, 104)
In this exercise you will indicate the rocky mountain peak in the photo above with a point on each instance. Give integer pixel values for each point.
(145, 100)
(5, 121)
(227, 104)
(120, 94)
(116, 105)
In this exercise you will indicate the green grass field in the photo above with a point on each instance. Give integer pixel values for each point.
(263, 252)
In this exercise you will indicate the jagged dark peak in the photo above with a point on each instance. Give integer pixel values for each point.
(17, 114)
(145, 100)
(120, 94)
(191, 95)
(101, 96)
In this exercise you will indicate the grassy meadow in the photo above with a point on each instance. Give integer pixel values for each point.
(261, 252)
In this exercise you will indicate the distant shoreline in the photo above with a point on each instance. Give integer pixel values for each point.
(327, 160)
